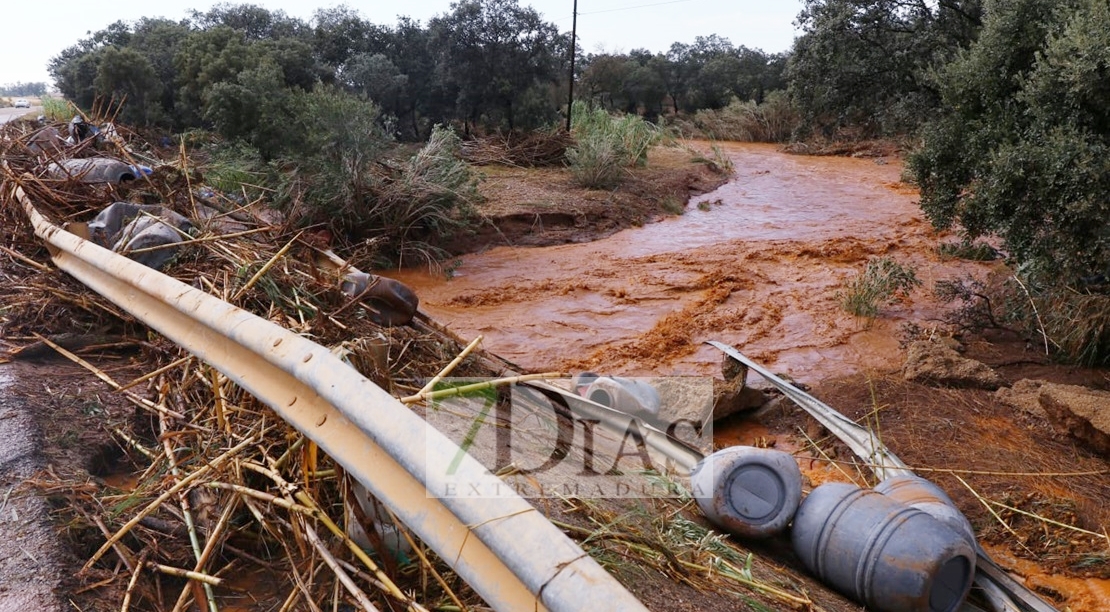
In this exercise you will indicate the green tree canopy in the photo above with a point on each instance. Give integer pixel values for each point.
(1022, 147)
(865, 64)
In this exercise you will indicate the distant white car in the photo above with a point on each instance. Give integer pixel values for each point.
(22, 103)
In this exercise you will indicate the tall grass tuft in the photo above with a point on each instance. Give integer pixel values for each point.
(883, 281)
(58, 110)
(235, 169)
(1078, 324)
(429, 198)
(607, 145)
(772, 121)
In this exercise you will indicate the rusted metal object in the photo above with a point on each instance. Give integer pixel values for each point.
(881, 552)
(391, 301)
(750, 492)
(499, 544)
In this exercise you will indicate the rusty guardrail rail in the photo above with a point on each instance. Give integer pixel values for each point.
(504, 548)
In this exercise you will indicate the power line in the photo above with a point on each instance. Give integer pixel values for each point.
(638, 6)
(624, 8)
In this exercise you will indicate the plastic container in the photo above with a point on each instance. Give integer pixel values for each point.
(630, 396)
(881, 552)
(929, 498)
(749, 492)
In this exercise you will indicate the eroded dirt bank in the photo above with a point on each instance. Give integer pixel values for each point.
(756, 263)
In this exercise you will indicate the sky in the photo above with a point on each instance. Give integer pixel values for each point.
(34, 34)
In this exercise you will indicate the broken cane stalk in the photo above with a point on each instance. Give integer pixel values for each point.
(161, 499)
(488, 384)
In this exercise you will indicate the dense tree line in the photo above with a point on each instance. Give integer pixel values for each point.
(866, 66)
(483, 64)
(23, 89)
(707, 74)
(241, 68)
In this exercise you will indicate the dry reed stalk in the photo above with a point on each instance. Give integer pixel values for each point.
(186, 510)
(205, 579)
(131, 584)
(156, 408)
(291, 492)
(265, 268)
(162, 370)
(27, 260)
(987, 504)
(133, 443)
(166, 495)
(214, 537)
(489, 384)
(825, 457)
(344, 579)
(425, 563)
(1040, 323)
(1049, 521)
(444, 372)
(125, 555)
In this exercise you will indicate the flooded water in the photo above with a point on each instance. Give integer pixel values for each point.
(759, 268)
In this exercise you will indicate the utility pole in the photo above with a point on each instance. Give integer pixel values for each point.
(573, 45)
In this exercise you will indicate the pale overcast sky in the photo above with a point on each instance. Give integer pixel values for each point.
(35, 33)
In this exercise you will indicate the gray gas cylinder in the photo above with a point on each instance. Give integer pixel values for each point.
(929, 498)
(747, 491)
(881, 552)
(628, 395)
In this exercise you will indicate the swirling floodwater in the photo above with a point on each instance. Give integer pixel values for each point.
(757, 264)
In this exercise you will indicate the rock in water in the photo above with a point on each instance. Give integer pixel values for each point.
(933, 363)
(1081, 412)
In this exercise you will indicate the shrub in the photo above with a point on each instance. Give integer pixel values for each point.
(58, 110)
(772, 121)
(595, 162)
(427, 198)
(883, 281)
(606, 145)
(1077, 324)
(967, 249)
(235, 168)
(405, 207)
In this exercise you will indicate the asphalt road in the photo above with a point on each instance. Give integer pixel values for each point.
(29, 546)
(7, 114)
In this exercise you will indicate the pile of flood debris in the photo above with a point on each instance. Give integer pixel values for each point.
(263, 498)
(207, 485)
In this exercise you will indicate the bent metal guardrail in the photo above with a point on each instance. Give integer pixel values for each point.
(504, 548)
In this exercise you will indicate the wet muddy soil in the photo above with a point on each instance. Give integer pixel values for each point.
(756, 263)
(759, 264)
(544, 206)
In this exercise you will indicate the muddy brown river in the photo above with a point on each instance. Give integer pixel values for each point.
(757, 265)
